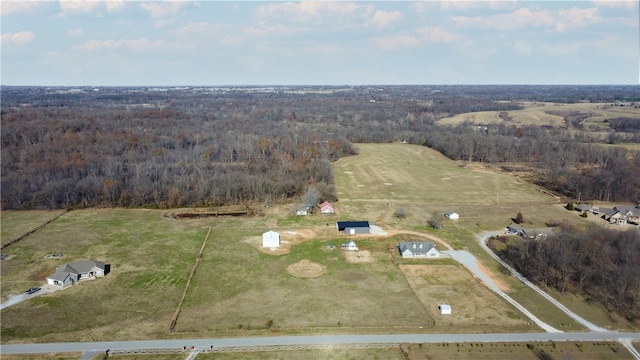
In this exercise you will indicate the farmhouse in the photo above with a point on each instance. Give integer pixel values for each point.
(451, 215)
(70, 273)
(418, 249)
(350, 246)
(353, 227)
(326, 208)
(271, 239)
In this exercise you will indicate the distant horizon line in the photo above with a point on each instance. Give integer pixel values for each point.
(308, 85)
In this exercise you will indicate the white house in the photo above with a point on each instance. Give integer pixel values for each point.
(418, 249)
(451, 215)
(350, 246)
(271, 239)
(445, 309)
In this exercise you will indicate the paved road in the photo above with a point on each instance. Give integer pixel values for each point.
(483, 243)
(201, 344)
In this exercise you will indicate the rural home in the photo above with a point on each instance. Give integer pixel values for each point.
(353, 227)
(536, 233)
(621, 215)
(451, 215)
(516, 229)
(70, 273)
(350, 246)
(304, 210)
(326, 208)
(271, 239)
(418, 249)
(445, 309)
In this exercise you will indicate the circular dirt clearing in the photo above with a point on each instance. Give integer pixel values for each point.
(306, 268)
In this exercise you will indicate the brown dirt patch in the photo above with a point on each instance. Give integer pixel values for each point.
(358, 257)
(473, 304)
(493, 278)
(306, 268)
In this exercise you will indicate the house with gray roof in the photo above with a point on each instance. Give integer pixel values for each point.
(418, 249)
(70, 273)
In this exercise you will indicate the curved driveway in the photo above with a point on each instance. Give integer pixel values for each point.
(483, 243)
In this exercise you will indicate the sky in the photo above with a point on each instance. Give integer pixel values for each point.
(219, 43)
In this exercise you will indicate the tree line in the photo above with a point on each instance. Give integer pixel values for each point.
(600, 264)
(132, 147)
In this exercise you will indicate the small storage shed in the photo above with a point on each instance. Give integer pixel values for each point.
(326, 208)
(270, 239)
(445, 309)
(452, 215)
(350, 246)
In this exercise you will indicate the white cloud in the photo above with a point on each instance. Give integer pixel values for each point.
(615, 3)
(15, 7)
(435, 35)
(382, 19)
(525, 17)
(395, 42)
(162, 9)
(73, 7)
(136, 45)
(475, 4)
(19, 38)
(315, 12)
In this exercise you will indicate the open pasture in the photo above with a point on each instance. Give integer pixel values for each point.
(548, 114)
(389, 173)
(18, 223)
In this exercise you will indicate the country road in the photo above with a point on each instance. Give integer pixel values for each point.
(206, 344)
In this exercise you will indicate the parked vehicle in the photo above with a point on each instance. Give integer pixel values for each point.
(32, 290)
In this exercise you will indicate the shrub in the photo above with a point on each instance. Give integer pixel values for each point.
(570, 206)
(584, 214)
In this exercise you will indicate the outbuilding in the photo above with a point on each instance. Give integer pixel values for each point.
(271, 239)
(445, 309)
(452, 215)
(354, 227)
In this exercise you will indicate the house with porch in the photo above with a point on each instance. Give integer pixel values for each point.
(418, 249)
(73, 272)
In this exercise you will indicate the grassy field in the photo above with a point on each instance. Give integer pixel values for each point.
(241, 290)
(549, 114)
(17, 223)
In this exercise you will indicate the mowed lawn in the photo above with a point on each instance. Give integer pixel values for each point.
(404, 172)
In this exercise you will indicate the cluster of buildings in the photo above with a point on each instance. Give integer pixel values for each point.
(619, 215)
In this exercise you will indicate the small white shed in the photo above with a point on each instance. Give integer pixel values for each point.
(271, 239)
(452, 215)
(445, 309)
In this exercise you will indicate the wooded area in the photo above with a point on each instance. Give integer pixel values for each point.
(176, 147)
(600, 264)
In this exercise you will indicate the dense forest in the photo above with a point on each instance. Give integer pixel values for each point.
(601, 265)
(175, 147)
